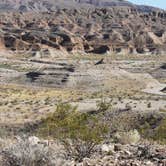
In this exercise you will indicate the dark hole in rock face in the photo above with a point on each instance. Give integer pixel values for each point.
(90, 37)
(9, 41)
(131, 50)
(70, 69)
(86, 47)
(163, 90)
(100, 62)
(140, 50)
(101, 50)
(49, 43)
(28, 37)
(154, 19)
(106, 36)
(66, 39)
(118, 50)
(65, 78)
(152, 49)
(163, 66)
(159, 33)
(69, 49)
(33, 75)
(13, 49)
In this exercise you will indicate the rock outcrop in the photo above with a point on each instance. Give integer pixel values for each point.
(122, 28)
(110, 154)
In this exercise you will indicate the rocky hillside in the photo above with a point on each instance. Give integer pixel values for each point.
(50, 5)
(42, 26)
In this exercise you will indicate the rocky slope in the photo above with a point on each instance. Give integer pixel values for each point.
(47, 5)
(106, 154)
(43, 26)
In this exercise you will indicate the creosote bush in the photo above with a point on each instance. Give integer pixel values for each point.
(79, 132)
(103, 105)
(160, 132)
(150, 126)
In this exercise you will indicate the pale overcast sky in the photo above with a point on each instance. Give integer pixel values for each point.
(156, 3)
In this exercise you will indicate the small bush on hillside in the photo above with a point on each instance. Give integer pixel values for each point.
(160, 132)
(154, 128)
(130, 137)
(120, 120)
(150, 125)
(103, 105)
(79, 132)
(26, 153)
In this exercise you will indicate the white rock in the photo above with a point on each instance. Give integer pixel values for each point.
(33, 140)
(87, 161)
(149, 163)
(105, 148)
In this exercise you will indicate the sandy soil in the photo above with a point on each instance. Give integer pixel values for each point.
(123, 82)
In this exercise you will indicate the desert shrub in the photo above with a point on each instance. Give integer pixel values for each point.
(79, 132)
(145, 130)
(160, 132)
(103, 105)
(154, 128)
(120, 120)
(2, 143)
(145, 151)
(130, 137)
(27, 153)
(147, 125)
(150, 125)
(3, 132)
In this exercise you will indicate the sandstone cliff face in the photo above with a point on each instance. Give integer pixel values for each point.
(98, 30)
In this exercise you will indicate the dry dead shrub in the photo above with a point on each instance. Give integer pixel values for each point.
(26, 152)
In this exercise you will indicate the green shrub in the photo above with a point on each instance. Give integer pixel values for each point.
(103, 105)
(154, 129)
(79, 132)
(160, 132)
(150, 125)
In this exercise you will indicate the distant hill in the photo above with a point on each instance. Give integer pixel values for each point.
(51, 5)
(90, 26)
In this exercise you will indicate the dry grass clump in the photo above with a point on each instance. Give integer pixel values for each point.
(30, 152)
(130, 137)
(103, 105)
